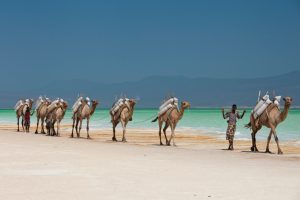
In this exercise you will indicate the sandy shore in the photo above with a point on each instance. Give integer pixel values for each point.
(39, 167)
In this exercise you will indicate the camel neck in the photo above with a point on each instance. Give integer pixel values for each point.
(93, 109)
(181, 112)
(284, 113)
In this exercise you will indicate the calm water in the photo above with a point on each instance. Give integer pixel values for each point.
(194, 121)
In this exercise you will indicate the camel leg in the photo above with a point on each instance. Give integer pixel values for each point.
(87, 128)
(73, 127)
(254, 148)
(277, 142)
(165, 129)
(80, 126)
(172, 135)
(37, 125)
(114, 132)
(57, 128)
(159, 131)
(48, 127)
(268, 142)
(124, 123)
(23, 124)
(43, 125)
(77, 131)
(53, 128)
(76, 126)
(18, 123)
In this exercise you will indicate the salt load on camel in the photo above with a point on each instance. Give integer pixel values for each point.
(263, 103)
(40, 101)
(19, 104)
(119, 104)
(79, 102)
(167, 105)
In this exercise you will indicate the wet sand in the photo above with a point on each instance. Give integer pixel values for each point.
(40, 167)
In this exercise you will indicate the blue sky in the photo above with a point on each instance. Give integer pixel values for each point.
(114, 41)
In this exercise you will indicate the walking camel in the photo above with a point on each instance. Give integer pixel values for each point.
(84, 112)
(171, 118)
(20, 112)
(41, 114)
(270, 118)
(124, 115)
(50, 116)
(58, 115)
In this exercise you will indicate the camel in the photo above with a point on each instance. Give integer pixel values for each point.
(124, 115)
(171, 118)
(84, 112)
(41, 114)
(20, 112)
(58, 115)
(270, 118)
(50, 116)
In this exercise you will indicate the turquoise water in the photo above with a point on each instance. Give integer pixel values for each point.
(194, 121)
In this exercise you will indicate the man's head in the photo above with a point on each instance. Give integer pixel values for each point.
(234, 107)
(27, 109)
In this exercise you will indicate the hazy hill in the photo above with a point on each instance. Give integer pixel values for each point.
(201, 92)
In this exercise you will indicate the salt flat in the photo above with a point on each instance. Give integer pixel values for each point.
(37, 167)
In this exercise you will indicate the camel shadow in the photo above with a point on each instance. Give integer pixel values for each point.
(261, 152)
(78, 138)
(224, 149)
(247, 151)
(118, 141)
(158, 145)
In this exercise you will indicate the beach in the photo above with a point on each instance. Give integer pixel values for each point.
(42, 167)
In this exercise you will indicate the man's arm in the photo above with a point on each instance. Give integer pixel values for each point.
(243, 114)
(223, 113)
(32, 113)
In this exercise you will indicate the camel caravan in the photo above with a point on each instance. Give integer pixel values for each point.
(49, 113)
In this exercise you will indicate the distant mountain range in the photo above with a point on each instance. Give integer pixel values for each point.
(201, 92)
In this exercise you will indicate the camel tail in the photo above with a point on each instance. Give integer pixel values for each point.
(248, 125)
(155, 119)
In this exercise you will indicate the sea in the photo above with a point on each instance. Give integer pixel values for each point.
(207, 121)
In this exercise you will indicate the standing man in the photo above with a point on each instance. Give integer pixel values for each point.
(27, 119)
(232, 116)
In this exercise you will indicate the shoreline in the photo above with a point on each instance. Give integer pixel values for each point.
(192, 140)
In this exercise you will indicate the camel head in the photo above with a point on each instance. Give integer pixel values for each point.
(185, 105)
(288, 101)
(30, 103)
(95, 102)
(64, 105)
(132, 103)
